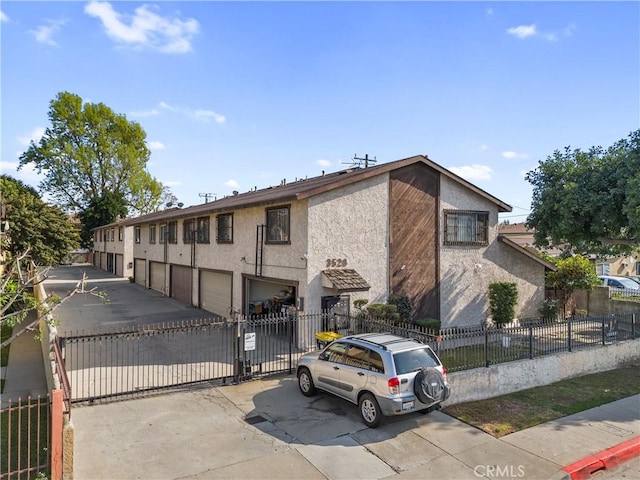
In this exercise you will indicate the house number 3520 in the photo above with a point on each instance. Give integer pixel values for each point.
(336, 262)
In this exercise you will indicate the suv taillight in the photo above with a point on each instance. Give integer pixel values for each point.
(394, 385)
(444, 373)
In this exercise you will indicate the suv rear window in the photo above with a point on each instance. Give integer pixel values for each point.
(414, 360)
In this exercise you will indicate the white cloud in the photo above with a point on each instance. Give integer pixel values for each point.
(511, 155)
(207, 115)
(232, 183)
(172, 183)
(324, 163)
(27, 173)
(44, 33)
(155, 145)
(473, 172)
(145, 28)
(522, 31)
(484, 147)
(525, 31)
(35, 135)
(199, 114)
(489, 12)
(144, 113)
(3, 17)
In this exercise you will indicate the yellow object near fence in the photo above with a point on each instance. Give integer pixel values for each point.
(325, 338)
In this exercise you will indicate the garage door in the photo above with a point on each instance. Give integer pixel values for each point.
(156, 276)
(215, 292)
(119, 265)
(138, 271)
(103, 260)
(181, 283)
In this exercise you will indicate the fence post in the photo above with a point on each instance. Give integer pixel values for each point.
(486, 348)
(569, 334)
(530, 342)
(633, 325)
(56, 434)
(604, 341)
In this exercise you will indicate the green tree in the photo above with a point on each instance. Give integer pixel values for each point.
(43, 230)
(503, 298)
(101, 211)
(89, 152)
(588, 202)
(572, 273)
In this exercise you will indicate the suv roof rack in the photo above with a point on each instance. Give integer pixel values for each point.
(383, 345)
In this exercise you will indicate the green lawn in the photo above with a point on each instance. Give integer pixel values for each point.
(516, 411)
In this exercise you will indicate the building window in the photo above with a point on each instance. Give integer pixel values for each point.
(100, 234)
(163, 233)
(120, 234)
(278, 225)
(137, 235)
(172, 232)
(152, 234)
(188, 233)
(224, 228)
(203, 230)
(113, 234)
(464, 227)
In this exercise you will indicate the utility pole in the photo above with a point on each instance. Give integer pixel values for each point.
(206, 196)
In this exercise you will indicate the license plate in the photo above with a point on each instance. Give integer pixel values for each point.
(408, 405)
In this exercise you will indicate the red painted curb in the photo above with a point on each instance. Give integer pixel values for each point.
(604, 460)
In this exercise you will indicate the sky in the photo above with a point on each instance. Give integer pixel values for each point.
(238, 95)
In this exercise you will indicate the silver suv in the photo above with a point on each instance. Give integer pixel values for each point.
(383, 374)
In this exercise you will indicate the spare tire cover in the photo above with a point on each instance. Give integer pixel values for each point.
(428, 385)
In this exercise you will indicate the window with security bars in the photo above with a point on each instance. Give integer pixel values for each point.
(202, 230)
(172, 233)
(163, 233)
(152, 234)
(224, 228)
(188, 231)
(278, 225)
(466, 227)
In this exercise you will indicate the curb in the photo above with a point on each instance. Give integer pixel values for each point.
(604, 460)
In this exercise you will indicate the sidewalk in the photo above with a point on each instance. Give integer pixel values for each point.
(24, 373)
(266, 429)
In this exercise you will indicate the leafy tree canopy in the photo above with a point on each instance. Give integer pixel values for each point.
(89, 152)
(588, 202)
(101, 211)
(43, 230)
(573, 273)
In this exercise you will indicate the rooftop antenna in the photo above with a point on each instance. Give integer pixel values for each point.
(206, 196)
(357, 161)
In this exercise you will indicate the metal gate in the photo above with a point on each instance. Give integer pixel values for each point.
(151, 358)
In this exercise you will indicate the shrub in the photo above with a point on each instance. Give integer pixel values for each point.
(550, 309)
(503, 297)
(430, 323)
(403, 305)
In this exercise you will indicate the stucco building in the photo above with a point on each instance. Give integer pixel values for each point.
(408, 227)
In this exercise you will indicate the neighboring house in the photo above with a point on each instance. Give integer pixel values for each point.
(623, 266)
(523, 236)
(113, 248)
(408, 227)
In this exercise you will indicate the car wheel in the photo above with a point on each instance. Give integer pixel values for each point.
(370, 410)
(305, 382)
(428, 385)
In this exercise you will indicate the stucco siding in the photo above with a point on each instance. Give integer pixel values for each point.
(467, 271)
(351, 224)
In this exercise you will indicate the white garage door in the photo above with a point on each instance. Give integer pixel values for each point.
(119, 264)
(138, 271)
(215, 292)
(157, 275)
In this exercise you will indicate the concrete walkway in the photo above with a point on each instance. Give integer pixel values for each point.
(24, 374)
(266, 429)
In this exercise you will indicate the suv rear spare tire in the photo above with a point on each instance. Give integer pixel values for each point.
(428, 385)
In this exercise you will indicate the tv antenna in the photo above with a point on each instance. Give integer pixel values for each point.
(357, 161)
(206, 196)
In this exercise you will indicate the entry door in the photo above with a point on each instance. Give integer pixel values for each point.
(119, 264)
